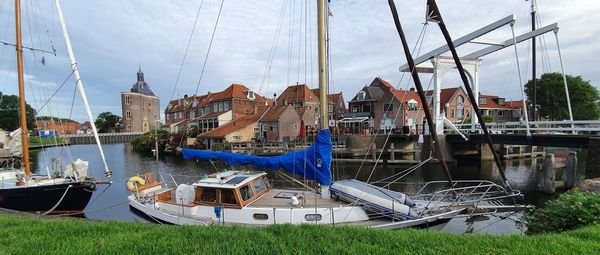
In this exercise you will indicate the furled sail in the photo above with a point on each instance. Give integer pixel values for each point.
(314, 163)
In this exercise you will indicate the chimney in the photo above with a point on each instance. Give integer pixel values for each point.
(185, 96)
(412, 89)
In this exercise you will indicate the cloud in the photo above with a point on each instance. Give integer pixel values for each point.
(111, 38)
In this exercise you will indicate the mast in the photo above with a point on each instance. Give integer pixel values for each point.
(22, 106)
(323, 79)
(533, 63)
(79, 85)
(433, 13)
(417, 81)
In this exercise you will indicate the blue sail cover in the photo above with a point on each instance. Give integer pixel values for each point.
(314, 162)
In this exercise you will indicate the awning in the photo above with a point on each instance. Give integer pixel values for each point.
(354, 119)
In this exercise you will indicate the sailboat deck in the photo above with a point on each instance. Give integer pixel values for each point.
(275, 199)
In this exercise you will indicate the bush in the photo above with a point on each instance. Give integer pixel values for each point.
(568, 212)
(145, 143)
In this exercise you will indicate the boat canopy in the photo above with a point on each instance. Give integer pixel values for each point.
(314, 163)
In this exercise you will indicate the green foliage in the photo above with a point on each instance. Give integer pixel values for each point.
(486, 119)
(63, 120)
(27, 235)
(568, 212)
(9, 113)
(552, 102)
(146, 142)
(107, 122)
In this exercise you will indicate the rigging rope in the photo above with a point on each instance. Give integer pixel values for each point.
(209, 47)
(186, 50)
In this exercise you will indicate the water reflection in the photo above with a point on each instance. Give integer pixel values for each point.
(110, 201)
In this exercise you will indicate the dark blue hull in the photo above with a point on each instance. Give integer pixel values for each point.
(40, 199)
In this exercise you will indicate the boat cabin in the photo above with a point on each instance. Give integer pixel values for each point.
(231, 189)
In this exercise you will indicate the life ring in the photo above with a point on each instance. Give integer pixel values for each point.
(131, 184)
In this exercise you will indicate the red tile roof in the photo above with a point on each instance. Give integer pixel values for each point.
(222, 131)
(234, 91)
(211, 115)
(297, 93)
(274, 112)
(445, 94)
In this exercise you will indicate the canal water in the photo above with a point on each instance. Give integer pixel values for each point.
(110, 202)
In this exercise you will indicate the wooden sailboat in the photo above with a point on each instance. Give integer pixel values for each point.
(65, 192)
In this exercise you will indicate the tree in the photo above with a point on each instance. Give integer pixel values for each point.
(107, 122)
(9, 113)
(552, 103)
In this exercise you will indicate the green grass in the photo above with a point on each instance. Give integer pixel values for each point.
(24, 235)
(36, 141)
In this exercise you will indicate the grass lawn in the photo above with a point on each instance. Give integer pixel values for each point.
(26, 235)
(36, 141)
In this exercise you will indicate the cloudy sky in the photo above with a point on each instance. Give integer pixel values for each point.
(112, 38)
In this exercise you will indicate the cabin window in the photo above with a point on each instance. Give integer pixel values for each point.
(267, 184)
(246, 193)
(313, 217)
(260, 216)
(209, 195)
(259, 185)
(228, 197)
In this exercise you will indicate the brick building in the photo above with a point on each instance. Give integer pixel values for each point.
(141, 108)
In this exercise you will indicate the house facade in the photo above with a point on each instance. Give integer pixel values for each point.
(304, 101)
(280, 123)
(240, 130)
(500, 109)
(212, 110)
(140, 107)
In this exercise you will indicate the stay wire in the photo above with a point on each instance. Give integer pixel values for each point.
(209, 47)
(186, 50)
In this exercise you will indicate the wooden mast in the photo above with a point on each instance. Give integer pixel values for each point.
(22, 106)
(323, 79)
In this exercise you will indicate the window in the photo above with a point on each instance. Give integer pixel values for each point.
(209, 195)
(366, 108)
(228, 197)
(360, 95)
(354, 109)
(460, 107)
(388, 107)
(128, 115)
(260, 216)
(251, 95)
(482, 100)
(413, 106)
(127, 100)
(500, 113)
(451, 113)
(330, 108)
(429, 99)
(296, 127)
(246, 193)
(313, 217)
(259, 185)
(273, 128)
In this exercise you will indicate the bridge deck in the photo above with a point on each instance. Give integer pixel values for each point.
(553, 140)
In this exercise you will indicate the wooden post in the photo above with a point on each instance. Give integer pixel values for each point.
(571, 170)
(374, 152)
(548, 175)
(392, 153)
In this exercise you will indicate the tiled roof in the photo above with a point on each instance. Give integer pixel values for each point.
(211, 115)
(297, 93)
(222, 131)
(274, 112)
(234, 91)
(406, 95)
(445, 94)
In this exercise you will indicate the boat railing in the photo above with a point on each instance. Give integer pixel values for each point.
(472, 193)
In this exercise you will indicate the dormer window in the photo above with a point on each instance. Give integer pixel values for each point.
(251, 95)
(482, 100)
(361, 95)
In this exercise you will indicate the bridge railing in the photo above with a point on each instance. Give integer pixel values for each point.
(542, 126)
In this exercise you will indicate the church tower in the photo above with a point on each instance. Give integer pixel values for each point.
(141, 108)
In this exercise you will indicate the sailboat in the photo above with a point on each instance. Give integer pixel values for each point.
(63, 191)
(248, 198)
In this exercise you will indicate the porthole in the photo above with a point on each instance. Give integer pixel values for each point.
(260, 216)
(313, 217)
